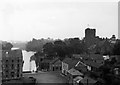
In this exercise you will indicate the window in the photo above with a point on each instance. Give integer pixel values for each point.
(6, 75)
(95, 61)
(12, 74)
(18, 65)
(6, 61)
(53, 68)
(18, 70)
(17, 75)
(18, 60)
(6, 66)
(12, 60)
(56, 68)
(60, 68)
(41, 59)
(12, 66)
(6, 71)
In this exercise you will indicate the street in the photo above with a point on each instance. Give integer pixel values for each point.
(47, 77)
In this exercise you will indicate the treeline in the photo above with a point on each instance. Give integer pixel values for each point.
(37, 45)
(65, 47)
(5, 45)
(62, 48)
(68, 46)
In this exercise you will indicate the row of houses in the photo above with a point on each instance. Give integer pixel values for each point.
(76, 68)
(73, 68)
(46, 64)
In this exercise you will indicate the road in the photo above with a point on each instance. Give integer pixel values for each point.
(47, 77)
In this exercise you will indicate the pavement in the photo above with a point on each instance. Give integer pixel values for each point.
(47, 77)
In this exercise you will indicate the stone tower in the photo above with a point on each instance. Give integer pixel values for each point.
(90, 35)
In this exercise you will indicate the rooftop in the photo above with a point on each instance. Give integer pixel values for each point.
(88, 80)
(74, 72)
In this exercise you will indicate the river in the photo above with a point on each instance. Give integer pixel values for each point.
(28, 66)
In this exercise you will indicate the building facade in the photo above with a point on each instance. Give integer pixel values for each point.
(12, 63)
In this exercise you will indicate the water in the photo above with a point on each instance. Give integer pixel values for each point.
(28, 66)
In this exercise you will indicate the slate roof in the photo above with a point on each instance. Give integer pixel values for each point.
(74, 72)
(81, 67)
(93, 64)
(71, 62)
(58, 62)
(46, 61)
(78, 78)
(84, 56)
(67, 60)
(88, 80)
(54, 60)
(96, 57)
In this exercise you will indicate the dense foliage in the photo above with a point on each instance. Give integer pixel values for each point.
(6, 46)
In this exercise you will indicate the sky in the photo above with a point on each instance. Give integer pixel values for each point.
(23, 20)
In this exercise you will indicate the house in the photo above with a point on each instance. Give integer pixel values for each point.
(81, 67)
(92, 66)
(72, 73)
(116, 69)
(97, 58)
(45, 64)
(87, 81)
(117, 57)
(76, 80)
(56, 66)
(67, 64)
(81, 56)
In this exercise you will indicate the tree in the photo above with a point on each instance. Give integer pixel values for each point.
(36, 45)
(59, 47)
(6, 46)
(48, 49)
(116, 49)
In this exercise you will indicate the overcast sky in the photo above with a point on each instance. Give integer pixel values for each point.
(26, 19)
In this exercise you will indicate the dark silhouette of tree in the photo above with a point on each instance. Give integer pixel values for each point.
(36, 45)
(6, 46)
(60, 48)
(77, 46)
(48, 49)
(116, 49)
(104, 47)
